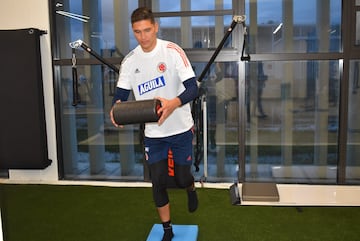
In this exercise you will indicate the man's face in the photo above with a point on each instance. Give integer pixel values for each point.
(145, 33)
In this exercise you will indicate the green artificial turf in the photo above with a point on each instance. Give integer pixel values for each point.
(88, 213)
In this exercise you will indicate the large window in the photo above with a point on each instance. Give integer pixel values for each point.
(292, 120)
(292, 91)
(91, 147)
(275, 118)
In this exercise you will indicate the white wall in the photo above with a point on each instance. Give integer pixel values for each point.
(18, 14)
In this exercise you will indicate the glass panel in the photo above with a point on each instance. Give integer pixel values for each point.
(164, 6)
(107, 30)
(289, 26)
(92, 147)
(353, 150)
(292, 121)
(357, 34)
(221, 91)
(194, 32)
(101, 24)
(357, 2)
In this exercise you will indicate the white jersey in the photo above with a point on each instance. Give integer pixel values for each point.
(159, 73)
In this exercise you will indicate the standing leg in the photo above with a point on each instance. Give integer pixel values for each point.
(159, 172)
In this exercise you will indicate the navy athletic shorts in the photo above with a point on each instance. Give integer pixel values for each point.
(180, 146)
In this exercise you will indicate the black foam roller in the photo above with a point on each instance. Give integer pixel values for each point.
(135, 112)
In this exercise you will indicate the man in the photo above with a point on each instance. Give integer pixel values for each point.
(160, 69)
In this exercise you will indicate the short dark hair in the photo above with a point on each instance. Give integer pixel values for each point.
(142, 13)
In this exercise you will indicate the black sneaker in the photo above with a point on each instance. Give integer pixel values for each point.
(192, 200)
(168, 234)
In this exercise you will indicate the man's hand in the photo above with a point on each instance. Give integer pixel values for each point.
(167, 107)
(112, 116)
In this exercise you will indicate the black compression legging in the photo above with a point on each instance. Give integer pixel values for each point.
(159, 177)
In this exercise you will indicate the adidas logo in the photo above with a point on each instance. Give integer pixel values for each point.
(137, 71)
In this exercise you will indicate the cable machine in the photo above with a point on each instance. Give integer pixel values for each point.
(254, 191)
